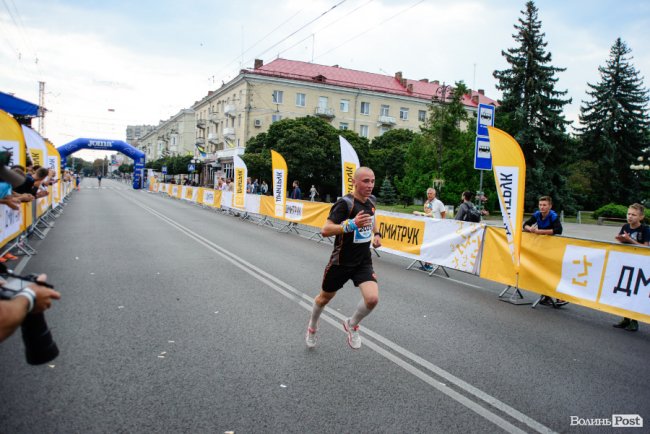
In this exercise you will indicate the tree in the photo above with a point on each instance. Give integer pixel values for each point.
(531, 111)
(614, 128)
(387, 193)
(310, 146)
(386, 156)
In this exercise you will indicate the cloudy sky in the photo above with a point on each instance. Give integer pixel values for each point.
(111, 64)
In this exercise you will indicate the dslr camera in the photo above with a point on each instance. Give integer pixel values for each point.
(39, 346)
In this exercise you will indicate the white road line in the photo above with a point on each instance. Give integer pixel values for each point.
(306, 302)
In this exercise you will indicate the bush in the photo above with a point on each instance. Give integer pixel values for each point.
(611, 210)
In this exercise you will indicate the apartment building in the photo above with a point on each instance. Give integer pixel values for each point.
(365, 102)
(175, 136)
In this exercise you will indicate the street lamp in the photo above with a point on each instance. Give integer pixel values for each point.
(440, 95)
(195, 162)
(640, 170)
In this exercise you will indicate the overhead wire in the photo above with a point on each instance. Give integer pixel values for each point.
(326, 26)
(348, 40)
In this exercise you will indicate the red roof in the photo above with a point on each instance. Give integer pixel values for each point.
(336, 76)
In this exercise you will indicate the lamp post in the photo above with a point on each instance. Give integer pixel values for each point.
(440, 95)
(640, 170)
(195, 162)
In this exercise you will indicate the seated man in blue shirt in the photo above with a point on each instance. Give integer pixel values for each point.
(545, 221)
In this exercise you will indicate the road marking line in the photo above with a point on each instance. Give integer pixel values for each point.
(305, 301)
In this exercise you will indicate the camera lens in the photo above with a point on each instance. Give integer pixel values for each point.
(39, 346)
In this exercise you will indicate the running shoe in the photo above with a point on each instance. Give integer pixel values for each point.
(354, 338)
(310, 337)
(10, 257)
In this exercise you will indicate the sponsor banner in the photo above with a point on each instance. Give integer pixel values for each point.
(349, 165)
(509, 169)
(280, 174)
(12, 139)
(207, 197)
(174, 190)
(239, 196)
(293, 211)
(226, 199)
(613, 278)
(450, 243)
(253, 203)
(190, 193)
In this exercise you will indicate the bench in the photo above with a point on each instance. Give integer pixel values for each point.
(602, 220)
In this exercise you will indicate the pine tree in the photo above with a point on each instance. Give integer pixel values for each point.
(531, 110)
(614, 128)
(387, 193)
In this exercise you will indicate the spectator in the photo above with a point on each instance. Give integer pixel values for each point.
(467, 210)
(264, 188)
(433, 207)
(545, 221)
(313, 193)
(296, 193)
(35, 298)
(633, 232)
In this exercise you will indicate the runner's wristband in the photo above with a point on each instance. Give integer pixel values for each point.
(29, 295)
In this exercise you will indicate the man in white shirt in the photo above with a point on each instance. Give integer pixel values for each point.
(433, 207)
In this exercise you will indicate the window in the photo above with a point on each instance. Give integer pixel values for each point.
(382, 130)
(403, 113)
(345, 105)
(301, 99)
(343, 126)
(422, 115)
(239, 121)
(276, 118)
(278, 96)
(365, 108)
(323, 102)
(384, 110)
(363, 130)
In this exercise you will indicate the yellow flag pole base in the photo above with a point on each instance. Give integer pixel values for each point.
(515, 296)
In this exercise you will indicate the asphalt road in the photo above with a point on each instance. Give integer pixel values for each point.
(175, 318)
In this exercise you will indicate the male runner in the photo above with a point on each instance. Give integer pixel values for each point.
(352, 220)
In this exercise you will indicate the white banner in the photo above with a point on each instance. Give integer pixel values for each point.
(349, 165)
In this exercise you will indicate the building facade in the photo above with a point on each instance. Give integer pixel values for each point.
(175, 136)
(367, 103)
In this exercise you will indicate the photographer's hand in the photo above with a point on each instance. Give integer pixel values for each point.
(44, 295)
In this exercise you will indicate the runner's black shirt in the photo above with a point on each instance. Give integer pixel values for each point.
(353, 248)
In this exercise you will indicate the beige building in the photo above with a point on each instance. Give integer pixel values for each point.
(175, 136)
(367, 103)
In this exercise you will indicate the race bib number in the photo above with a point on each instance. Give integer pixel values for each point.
(364, 234)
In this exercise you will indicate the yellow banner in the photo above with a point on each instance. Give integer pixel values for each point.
(404, 235)
(12, 139)
(280, 175)
(240, 188)
(509, 169)
(37, 157)
(613, 278)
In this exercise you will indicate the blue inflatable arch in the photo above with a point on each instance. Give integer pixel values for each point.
(107, 145)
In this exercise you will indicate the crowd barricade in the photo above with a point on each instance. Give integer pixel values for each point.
(609, 277)
(31, 219)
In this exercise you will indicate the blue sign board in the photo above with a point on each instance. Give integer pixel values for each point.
(164, 170)
(482, 154)
(190, 168)
(485, 119)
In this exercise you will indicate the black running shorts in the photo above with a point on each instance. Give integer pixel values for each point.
(335, 276)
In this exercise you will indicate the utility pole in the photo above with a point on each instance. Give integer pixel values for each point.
(41, 108)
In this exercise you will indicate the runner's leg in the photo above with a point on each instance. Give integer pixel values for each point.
(320, 302)
(370, 294)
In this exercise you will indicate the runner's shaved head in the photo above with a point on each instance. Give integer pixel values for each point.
(363, 170)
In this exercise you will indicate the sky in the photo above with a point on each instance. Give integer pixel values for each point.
(107, 65)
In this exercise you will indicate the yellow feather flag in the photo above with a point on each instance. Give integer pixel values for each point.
(241, 172)
(349, 165)
(280, 175)
(509, 167)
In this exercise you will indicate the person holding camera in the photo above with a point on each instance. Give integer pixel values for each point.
(34, 299)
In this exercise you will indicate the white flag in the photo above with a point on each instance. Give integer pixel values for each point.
(349, 165)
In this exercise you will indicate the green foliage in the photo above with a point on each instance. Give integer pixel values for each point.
(176, 165)
(614, 128)
(125, 168)
(387, 194)
(419, 166)
(311, 148)
(611, 210)
(531, 111)
(387, 153)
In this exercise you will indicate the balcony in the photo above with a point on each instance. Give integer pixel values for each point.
(386, 120)
(212, 137)
(200, 123)
(324, 112)
(200, 140)
(212, 117)
(229, 110)
(229, 132)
